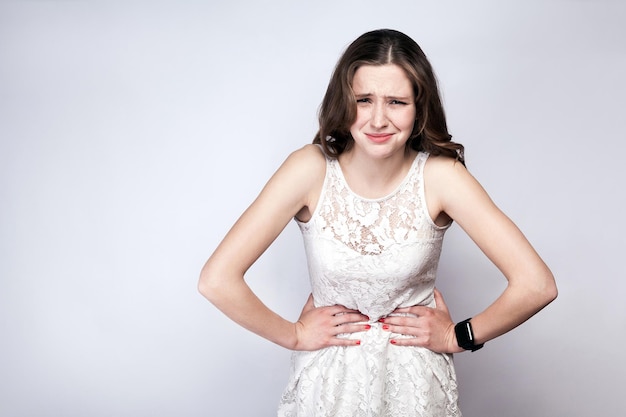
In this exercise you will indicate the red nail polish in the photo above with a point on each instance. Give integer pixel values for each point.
(358, 342)
(392, 341)
(385, 327)
(367, 327)
(381, 320)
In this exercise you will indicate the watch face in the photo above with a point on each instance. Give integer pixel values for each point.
(465, 336)
(462, 335)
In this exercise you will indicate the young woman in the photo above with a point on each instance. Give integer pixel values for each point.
(373, 197)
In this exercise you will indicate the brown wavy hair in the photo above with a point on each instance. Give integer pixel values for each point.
(381, 47)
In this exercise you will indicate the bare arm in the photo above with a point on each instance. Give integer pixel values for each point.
(290, 191)
(452, 191)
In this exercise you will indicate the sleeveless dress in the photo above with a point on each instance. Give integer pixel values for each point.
(372, 255)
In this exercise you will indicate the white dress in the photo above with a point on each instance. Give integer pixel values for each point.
(372, 255)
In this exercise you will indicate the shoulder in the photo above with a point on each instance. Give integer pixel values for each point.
(449, 183)
(455, 191)
(303, 174)
(309, 155)
(304, 169)
(441, 169)
(305, 164)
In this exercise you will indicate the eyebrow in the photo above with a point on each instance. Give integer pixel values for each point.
(403, 98)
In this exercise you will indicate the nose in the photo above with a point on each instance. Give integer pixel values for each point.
(379, 116)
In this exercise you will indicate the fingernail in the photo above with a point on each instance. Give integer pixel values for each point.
(381, 320)
(385, 327)
(367, 327)
(392, 341)
(358, 342)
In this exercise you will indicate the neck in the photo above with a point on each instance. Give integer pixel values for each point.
(373, 178)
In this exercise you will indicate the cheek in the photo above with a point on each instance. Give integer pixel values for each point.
(407, 121)
(361, 118)
(412, 118)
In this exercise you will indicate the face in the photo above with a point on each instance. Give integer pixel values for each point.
(385, 110)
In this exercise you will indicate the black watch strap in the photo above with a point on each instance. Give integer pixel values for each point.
(465, 336)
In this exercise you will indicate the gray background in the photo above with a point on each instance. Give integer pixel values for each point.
(132, 135)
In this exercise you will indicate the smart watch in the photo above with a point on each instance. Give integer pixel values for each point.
(465, 336)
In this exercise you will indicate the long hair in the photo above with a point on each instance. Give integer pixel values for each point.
(381, 47)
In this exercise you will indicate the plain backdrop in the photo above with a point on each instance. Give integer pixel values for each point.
(133, 134)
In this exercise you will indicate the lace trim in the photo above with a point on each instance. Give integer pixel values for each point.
(372, 226)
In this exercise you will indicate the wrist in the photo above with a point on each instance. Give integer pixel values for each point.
(453, 344)
(465, 336)
(293, 343)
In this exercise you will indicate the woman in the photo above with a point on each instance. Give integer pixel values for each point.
(373, 197)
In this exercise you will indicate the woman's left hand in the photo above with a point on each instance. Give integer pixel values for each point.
(428, 327)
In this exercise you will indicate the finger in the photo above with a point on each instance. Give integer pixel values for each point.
(407, 330)
(339, 309)
(412, 310)
(399, 321)
(352, 328)
(424, 341)
(406, 341)
(309, 305)
(338, 341)
(440, 304)
(346, 313)
(348, 319)
(402, 310)
(351, 313)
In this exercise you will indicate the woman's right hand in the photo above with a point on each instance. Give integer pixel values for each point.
(318, 327)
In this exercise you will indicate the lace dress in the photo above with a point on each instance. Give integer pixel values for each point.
(373, 255)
